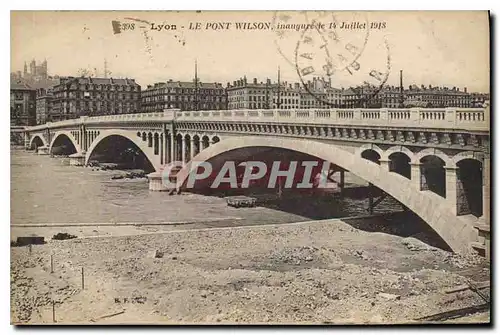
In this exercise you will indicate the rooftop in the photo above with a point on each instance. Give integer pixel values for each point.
(101, 81)
(19, 84)
(183, 84)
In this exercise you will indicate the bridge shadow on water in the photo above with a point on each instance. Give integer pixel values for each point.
(389, 216)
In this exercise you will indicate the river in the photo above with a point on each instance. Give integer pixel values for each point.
(47, 190)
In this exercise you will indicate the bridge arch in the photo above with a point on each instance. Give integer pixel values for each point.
(373, 147)
(457, 233)
(395, 149)
(448, 162)
(131, 136)
(69, 136)
(464, 155)
(37, 139)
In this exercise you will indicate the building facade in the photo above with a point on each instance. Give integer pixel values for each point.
(85, 96)
(243, 94)
(438, 96)
(184, 96)
(44, 97)
(22, 104)
(250, 95)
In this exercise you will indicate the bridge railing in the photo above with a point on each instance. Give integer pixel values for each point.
(447, 118)
(462, 118)
(165, 116)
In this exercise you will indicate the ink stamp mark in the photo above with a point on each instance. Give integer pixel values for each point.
(336, 27)
(322, 56)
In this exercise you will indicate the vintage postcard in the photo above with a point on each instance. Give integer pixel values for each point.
(252, 167)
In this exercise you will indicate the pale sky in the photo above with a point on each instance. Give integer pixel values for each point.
(436, 48)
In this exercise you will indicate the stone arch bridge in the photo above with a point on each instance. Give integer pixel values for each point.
(434, 161)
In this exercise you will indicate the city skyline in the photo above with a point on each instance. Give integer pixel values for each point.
(83, 40)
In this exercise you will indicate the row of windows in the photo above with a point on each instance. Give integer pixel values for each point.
(152, 92)
(92, 87)
(182, 98)
(89, 95)
(440, 97)
(184, 106)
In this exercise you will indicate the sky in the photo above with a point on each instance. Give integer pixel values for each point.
(432, 48)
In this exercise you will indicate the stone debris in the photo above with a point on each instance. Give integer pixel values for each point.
(295, 256)
(27, 240)
(361, 254)
(159, 254)
(389, 296)
(63, 236)
(413, 246)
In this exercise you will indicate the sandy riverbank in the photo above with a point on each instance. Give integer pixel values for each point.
(319, 272)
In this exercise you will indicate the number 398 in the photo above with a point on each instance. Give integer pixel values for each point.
(128, 26)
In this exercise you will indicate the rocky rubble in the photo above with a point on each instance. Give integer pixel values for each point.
(310, 273)
(30, 293)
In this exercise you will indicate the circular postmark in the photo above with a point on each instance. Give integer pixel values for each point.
(348, 30)
(323, 61)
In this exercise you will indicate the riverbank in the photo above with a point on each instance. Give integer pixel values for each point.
(313, 272)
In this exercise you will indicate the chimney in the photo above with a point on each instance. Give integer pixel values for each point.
(255, 81)
(465, 89)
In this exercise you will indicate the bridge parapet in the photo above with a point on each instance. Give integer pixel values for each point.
(473, 119)
(447, 118)
(166, 116)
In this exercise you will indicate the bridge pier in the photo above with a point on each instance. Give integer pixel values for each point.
(172, 147)
(183, 150)
(370, 198)
(342, 181)
(27, 141)
(156, 182)
(384, 164)
(483, 225)
(162, 155)
(77, 159)
(190, 149)
(43, 150)
(416, 176)
(451, 187)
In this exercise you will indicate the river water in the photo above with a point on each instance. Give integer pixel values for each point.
(47, 190)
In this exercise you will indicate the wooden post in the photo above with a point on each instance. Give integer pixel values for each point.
(370, 199)
(51, 264)
(53, 311)
(83, 279)
(29, 248)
